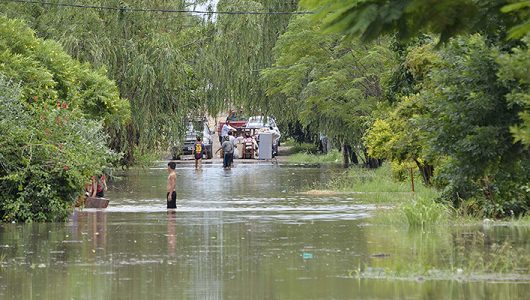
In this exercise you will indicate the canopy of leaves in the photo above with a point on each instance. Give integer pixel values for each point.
(50, 75)
(464, 103)
(325, 81)
(372, 18)
(167, 65)
(53, 109)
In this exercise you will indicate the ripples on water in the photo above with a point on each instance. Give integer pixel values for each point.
(246, 233)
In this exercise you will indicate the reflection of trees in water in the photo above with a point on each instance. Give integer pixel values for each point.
(441, 251)
(207, 279)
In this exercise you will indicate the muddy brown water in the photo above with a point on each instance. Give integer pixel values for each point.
(249, 233)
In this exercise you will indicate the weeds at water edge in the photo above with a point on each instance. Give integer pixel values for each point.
(423, 212)
(333, 157)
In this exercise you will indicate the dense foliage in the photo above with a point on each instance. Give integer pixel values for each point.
(458, 110)
(458, 120)
(408, 18)
(169, 66)
(328, 83)
(442, 85)
(51, 125)
(47, 153)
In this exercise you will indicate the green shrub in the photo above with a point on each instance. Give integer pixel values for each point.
(49, 74)
(46, 156)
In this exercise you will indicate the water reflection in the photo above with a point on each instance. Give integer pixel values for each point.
(248, 234)
(171, 233)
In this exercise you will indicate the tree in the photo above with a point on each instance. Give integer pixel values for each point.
(53, 109)
(396, 134)
(448, 18)
(327, 82)
(470, 112)
(152, 58)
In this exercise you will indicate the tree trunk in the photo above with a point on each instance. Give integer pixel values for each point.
(345, 156)
(426, 171)
(372, 163)
(354, 158)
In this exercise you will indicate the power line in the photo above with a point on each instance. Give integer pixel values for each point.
(128, 9)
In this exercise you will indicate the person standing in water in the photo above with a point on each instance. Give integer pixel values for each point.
(171, 185)
(228, 150)
(198, 151)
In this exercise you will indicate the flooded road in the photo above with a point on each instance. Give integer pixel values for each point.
(249, 233)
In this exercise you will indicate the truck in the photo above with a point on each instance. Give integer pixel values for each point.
(195, 128)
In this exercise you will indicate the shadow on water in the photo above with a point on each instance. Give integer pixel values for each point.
(249, 234)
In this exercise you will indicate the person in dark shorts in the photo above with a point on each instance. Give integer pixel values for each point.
(171, 195)
(198, 151)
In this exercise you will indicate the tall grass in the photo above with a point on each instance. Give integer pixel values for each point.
(418, 209)
(379, 185)
(424, 212)
(333, 157)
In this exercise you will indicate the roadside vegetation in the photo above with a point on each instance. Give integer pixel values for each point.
(446, 96)
(384, 82)
(333, 157)
(54, 116)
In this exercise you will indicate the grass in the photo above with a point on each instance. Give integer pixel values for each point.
(423, 212)
(379, 183)
(418, 209)
(333, 157)
(303, 148)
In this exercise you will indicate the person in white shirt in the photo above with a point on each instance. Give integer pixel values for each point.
(275, 137)
(224, 131)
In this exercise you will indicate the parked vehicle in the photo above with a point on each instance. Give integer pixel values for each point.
(260, 123)
(236, 121)
(196, 128)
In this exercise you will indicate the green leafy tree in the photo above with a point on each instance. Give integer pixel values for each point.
(47, 153)
(372, 18)
(470, 113)
(397, 135)
(52, 113)
(327, 82)
(513, 73)
(51, 75)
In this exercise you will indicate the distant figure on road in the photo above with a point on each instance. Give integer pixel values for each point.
(225, 130)
(198, 151)
(171, 185)
(228, 150)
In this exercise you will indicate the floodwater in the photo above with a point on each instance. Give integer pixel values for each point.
(249, 233)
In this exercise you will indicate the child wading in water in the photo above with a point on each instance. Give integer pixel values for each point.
(198, 150)
(171, 185)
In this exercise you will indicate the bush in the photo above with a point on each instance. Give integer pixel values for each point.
(51, 125)
(49, 74)
(46, 156)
